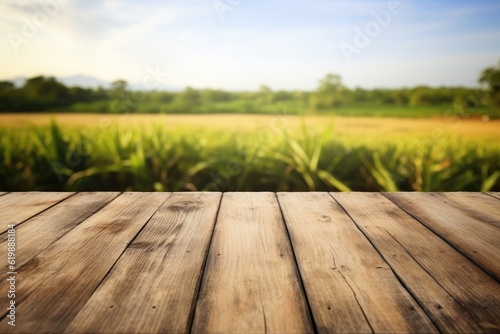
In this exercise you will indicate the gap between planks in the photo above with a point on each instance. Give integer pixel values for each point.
(160, 271)
(449, 306)
(249, 259)
(349, 285)
(42, 230)
(83, 255)
(469, 234)
(15, 208)
(455, 292)
(493, 194)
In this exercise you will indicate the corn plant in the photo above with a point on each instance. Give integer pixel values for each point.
(152, 158)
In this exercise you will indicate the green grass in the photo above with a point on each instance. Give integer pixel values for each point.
(154, 158)
(370, 110)
(290, 107)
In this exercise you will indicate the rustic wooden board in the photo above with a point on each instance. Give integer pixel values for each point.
(57, 283)
(349, 286)
(17, 207)
(455, 293)
(481, 206)
(494, 194)
(39, 232)
(250, 282)
(154, 285)
(471, 236)
(143, 262)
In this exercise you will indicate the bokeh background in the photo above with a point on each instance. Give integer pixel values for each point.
(225, 95)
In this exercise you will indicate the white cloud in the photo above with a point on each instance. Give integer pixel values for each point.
(118, 39)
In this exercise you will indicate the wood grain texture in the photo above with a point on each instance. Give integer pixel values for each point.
(455, 293)
(18, 207)
(155, 282)
(471, 236)
(350, 287)
(481, 206)
(39, 232)
(494, 194)
(250, 284)
(178, 263)
(58, 282)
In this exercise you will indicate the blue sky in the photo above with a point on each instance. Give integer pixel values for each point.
(284, 44)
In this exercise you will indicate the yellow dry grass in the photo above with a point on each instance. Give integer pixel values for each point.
(366, 127)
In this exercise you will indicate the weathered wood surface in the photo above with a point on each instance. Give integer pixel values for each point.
(496, 195)
(158, 274)
(474, 238)
(58, 281)
(15, 208)
(250, 283)
(477, 205)
(455, 293)
(39, 232)
(350, 287)
(253, 262)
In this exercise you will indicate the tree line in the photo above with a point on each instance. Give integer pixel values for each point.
(39, 94)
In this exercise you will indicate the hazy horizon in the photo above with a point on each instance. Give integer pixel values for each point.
(238, 45)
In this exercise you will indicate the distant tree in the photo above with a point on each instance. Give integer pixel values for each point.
(421, 96)
(100, 93)
(329, 93)
(378, 96)
(6, 86)
(118, 88)
(283, 95)
(399, 97)
(122, 101)
(187, 100)
(45, 92)
(331, 83)
(265, 94)
(162, 97)
(490, 77)
(79, 94)
(7, 99)
(213, 95)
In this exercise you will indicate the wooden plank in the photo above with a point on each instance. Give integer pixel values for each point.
(2, 193)
(58, 282)
(494, 194)
(472, 237)
(455, 293)
(250, 282)
(349, 286)
(18, 207)
(154, 285)
(41, 231)
(481, 206)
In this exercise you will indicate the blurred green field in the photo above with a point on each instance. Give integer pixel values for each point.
(247, 152)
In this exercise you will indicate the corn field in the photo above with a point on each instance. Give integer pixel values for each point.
(157, 159)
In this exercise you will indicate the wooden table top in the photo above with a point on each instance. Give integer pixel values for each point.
(108, 262)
